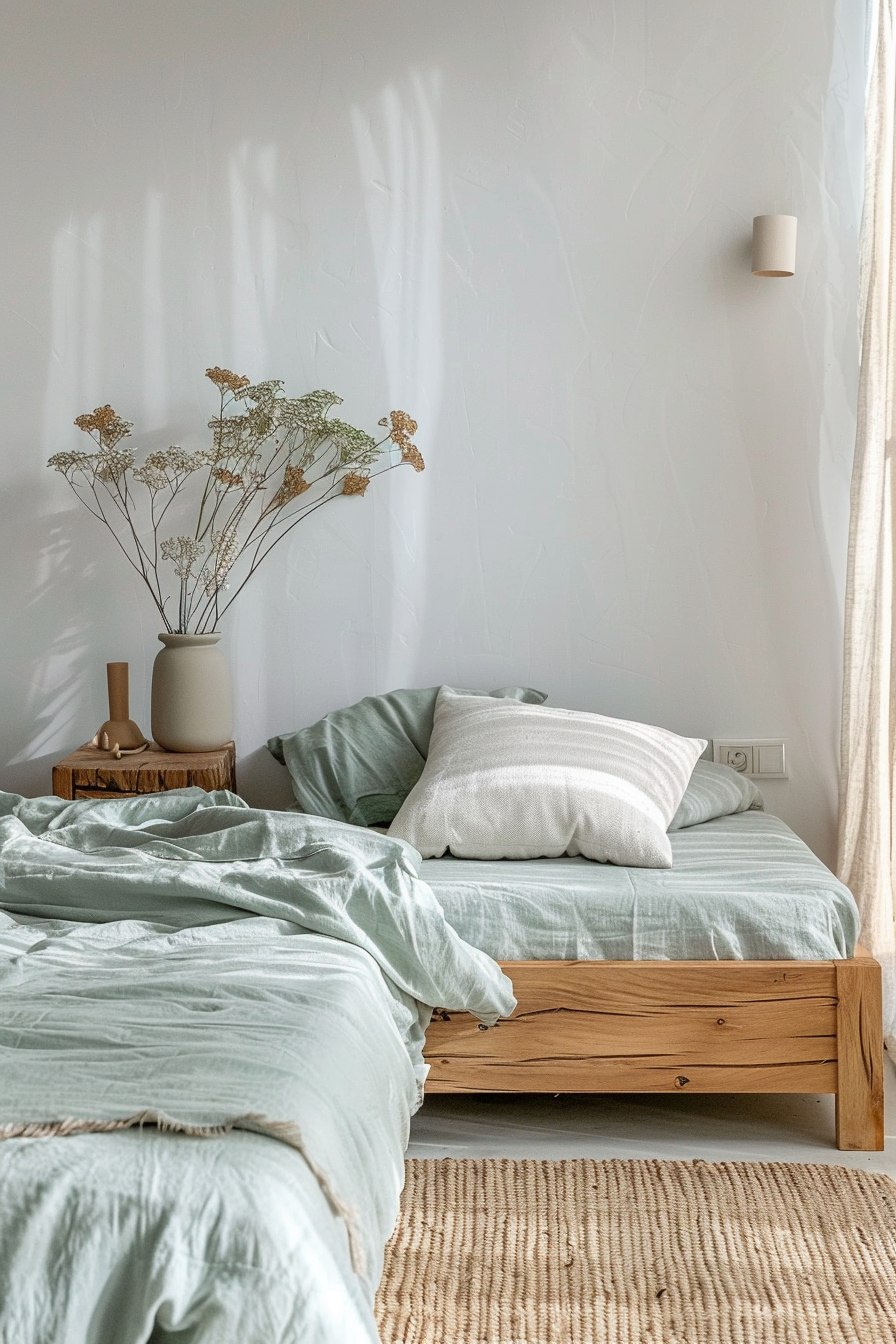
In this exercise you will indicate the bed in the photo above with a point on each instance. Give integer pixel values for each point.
(211, 1030)
(724, 957)
(737, 970)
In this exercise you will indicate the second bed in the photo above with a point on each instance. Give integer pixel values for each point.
(737, 970)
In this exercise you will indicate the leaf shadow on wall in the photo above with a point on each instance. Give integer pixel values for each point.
(52, 679)
(279, 210)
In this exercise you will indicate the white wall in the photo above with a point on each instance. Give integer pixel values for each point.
(526, 223)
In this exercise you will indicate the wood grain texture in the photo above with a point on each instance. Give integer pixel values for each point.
(90, 773)
(657, 1073)
(644, 1026)
(764, 1031)
(860, 1056)
(611, 984)
(661, 1026)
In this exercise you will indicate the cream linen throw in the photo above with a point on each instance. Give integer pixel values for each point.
(866, 859)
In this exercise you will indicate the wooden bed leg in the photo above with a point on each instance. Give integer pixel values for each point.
(860, 1061)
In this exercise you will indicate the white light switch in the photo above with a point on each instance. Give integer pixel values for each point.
(771, 758)
(763, 757)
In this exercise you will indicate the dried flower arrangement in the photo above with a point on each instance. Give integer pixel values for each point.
(273, 461)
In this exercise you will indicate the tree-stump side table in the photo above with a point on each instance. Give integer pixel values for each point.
(90, 773)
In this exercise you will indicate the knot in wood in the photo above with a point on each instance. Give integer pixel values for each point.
(681, 1081)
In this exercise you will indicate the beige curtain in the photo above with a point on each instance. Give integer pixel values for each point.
(867, 846)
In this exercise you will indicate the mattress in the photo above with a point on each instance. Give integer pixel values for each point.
(741, 887)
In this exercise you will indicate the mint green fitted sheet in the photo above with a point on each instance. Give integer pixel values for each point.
(741, 887)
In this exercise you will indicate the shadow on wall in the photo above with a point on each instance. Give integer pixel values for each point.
(134, 313)
(48, 666)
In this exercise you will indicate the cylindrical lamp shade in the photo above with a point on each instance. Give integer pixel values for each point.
(774, 245)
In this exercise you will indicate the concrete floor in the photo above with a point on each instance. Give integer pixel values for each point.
(725, 1128)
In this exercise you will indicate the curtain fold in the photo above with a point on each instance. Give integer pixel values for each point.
(866, 854)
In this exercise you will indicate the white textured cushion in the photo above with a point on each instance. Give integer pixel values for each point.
(505, 780)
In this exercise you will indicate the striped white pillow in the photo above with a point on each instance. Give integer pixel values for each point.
(504, 780)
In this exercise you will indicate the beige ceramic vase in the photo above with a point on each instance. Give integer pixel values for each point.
(192, 706)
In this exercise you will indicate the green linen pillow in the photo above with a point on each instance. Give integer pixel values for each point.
(359, 764)
(715, 790)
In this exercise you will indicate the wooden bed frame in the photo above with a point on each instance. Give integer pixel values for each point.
(680, 1026)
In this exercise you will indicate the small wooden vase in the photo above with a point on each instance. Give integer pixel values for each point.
(119, 735)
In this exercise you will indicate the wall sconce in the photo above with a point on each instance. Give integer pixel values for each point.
(774, 245)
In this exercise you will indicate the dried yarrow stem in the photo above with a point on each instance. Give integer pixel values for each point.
(183, 552)
(106, 424)
(166, 467)
(226, 380)
(401, 430)
(71, 462)
(403, 427)
(229, 479)
(411, 454)
(248, 488)
(225, 549)
(263, 395)
(112, 463)
(294, 484)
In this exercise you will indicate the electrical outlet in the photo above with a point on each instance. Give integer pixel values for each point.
(738, 756)
(763, 757)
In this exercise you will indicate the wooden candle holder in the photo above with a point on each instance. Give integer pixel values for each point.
(119, 735)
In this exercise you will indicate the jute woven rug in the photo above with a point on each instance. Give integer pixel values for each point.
(585, 1252)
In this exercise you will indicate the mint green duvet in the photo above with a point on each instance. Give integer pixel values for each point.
(251, 986)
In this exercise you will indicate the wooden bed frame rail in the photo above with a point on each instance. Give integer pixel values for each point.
(680, 1026)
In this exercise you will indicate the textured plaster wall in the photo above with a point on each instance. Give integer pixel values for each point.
(526, 223)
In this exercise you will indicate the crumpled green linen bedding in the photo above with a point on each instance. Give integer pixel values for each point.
(189, 960)
(136, 1236)
(189, 858)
